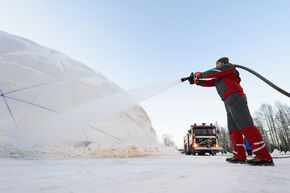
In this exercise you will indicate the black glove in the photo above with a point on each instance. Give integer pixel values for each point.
(190, 78)
(193, 78)
(194, 81)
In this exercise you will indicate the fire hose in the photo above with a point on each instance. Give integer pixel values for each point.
(256, 74)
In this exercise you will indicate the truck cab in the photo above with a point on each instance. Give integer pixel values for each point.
(201, 139)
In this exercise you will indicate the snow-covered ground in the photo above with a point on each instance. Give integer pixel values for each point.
(80, 151)
(167, 174)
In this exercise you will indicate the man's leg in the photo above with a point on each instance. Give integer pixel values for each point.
(236, 138)
(237, 105)
(257, 143)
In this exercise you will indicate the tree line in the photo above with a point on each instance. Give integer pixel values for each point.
(274, 124)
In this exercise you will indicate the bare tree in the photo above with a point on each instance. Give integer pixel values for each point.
(224, 139)
(282, 122)
(269, 119)
(274, 125)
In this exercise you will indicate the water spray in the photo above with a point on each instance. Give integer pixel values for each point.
(86, 116)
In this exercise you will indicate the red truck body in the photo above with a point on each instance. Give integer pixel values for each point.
(201, 139)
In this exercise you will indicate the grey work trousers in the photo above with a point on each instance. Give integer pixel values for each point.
(238, 113)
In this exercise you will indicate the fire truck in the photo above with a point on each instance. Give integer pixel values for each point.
(201, 139)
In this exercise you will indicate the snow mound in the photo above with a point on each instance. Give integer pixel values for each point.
(277, 153)
(38, 83)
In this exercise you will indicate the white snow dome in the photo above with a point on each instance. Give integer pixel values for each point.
(37, 82)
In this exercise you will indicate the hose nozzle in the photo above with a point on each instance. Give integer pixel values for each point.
(187, 78)
(184, 79)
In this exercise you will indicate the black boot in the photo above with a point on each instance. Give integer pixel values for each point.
(258, 162)
(235, 160)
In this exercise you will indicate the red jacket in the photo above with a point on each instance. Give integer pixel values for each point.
(225, 78)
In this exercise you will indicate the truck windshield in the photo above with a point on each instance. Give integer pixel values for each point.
(204, 131)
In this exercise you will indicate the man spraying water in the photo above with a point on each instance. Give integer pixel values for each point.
(226, 79)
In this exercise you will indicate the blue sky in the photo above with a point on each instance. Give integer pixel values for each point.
(138, 42)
